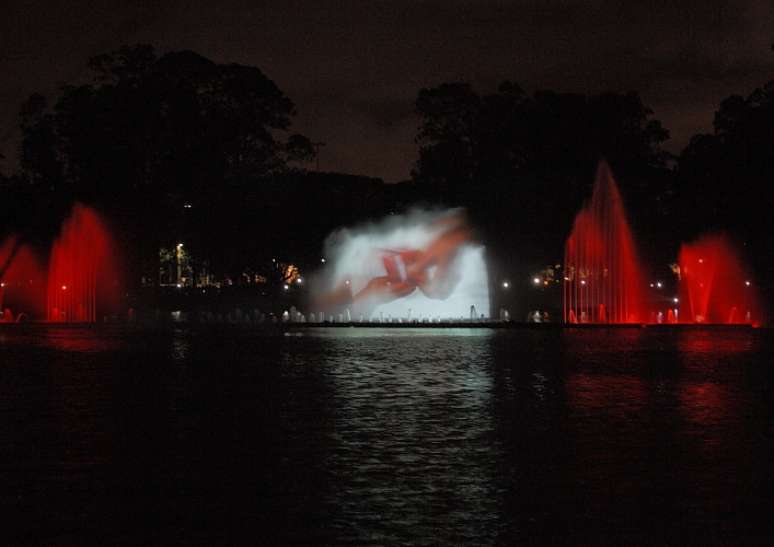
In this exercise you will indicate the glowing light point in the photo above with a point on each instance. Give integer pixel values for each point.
(583, 281)
(322, 260)
(747, 283)
(675, 300)
(2, 285)
(178, 285)
(299, 280)
(536, 280)
(506, 284)
(64, 287)
(286, 286)
(659, 284)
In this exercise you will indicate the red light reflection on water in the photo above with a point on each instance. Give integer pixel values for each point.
(704, 403)
(614, 395)
(79, 339)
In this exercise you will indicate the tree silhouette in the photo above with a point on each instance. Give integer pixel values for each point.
(153, 134)
(467, 139)
(725, 178)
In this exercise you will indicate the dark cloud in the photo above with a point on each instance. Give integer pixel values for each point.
(353, 68)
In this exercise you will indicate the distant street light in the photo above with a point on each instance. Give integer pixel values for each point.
(506, 284)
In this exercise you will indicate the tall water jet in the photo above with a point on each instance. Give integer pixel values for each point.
(602, 278)
(714, 287)
(82, 277)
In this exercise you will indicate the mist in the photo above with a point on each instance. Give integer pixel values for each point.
(423, 265)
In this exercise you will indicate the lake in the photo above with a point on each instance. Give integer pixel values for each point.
(348, 436)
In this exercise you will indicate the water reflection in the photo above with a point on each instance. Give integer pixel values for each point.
(414, 452)
(369, 436)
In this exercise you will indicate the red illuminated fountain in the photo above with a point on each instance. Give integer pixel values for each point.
(603, 281)
(82, 275)
(714, 287)
(21, 280)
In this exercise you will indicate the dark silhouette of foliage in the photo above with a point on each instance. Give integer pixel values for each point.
(177, 123)
(151, 134)
(472, 140)
(725, 178)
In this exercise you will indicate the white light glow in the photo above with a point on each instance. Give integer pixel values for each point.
(378, 265)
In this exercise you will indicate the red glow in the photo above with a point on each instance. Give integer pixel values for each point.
(21, 280)
(82, 276)
(713, 285)
(602, 273)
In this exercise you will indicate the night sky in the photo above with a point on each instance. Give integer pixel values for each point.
(353, 69)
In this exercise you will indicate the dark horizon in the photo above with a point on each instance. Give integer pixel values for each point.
(354, 71)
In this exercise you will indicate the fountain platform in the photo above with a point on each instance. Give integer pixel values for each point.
(494, 325)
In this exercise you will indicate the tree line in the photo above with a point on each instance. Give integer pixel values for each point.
(177, 146)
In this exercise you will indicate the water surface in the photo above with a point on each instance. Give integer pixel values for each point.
(386, 436)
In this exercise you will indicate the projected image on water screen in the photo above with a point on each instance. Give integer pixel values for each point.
(421, 266)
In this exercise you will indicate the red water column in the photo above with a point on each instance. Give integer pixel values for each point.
(22, 280)
(82, 276)
(603, 280)
(714, 285)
